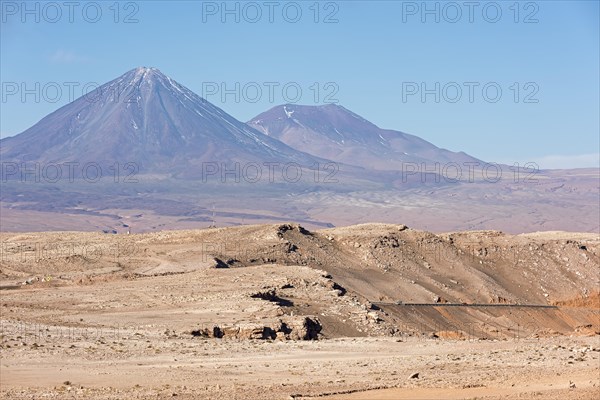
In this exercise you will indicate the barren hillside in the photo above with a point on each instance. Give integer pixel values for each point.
(331, 274)
(100, 312)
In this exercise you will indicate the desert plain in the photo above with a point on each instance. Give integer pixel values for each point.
(372, 311)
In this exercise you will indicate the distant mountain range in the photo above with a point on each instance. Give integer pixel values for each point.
(147, 118)
(169, 135)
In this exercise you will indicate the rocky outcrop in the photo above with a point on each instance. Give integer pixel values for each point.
(300, 328)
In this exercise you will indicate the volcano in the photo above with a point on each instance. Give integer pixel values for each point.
(336, 133)
(145, 117)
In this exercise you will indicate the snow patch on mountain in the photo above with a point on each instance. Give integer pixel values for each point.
(288, 113)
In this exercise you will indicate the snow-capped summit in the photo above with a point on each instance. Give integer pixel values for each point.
(147, 118)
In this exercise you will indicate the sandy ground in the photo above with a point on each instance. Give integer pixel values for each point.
(278, 312)
(143, 366)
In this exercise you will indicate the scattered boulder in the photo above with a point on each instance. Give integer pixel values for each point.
(305, 329)
(281, 229)
(220, 263)
(271, 295)
(374, 316)
(340, 291)
(386, 242)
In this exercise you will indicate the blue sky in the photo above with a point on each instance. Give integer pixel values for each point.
(374, 58)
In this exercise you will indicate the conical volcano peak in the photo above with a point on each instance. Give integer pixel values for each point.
(149, 119)
(141, 74)
(144, 81)
(145, 70)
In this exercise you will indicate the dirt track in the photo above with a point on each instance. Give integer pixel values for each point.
(226, 313)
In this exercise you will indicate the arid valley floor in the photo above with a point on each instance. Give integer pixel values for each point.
(373, 311)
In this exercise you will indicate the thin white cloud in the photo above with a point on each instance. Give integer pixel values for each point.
(591, 160)
(66, 57)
